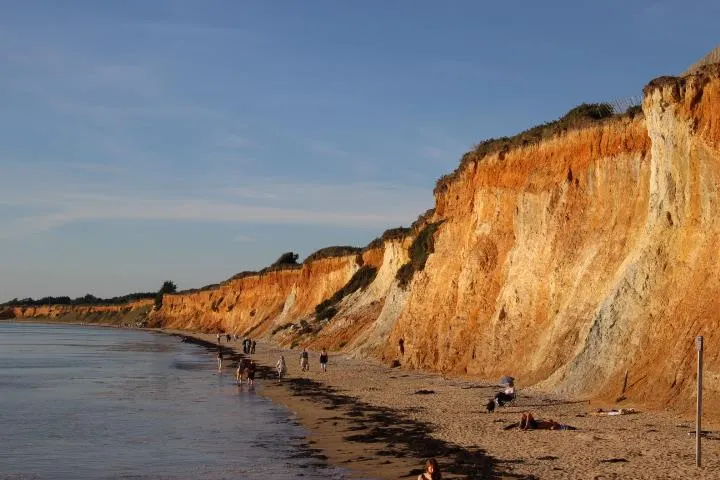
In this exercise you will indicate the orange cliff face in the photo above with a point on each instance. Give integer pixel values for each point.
(581, 260)
(258, 303)
(584, 264)
(55, 311)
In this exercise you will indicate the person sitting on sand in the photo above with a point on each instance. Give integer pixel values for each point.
(507, 395)
(432, 471)
(528, 422)
(281, 367)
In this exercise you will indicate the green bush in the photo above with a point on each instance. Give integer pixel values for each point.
(420, 249)
(287, 258)
(577, 117)
(327, 252)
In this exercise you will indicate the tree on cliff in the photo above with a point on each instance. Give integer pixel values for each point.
(287, 258)
(167, 287)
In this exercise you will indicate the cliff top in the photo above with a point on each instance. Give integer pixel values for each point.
(582, 116)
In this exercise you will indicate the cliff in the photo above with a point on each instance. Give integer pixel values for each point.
(582, 261)
(125, 314)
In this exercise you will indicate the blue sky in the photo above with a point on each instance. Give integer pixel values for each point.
(150, 140)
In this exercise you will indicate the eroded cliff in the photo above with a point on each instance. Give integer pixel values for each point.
(583, 262)
(130, 313)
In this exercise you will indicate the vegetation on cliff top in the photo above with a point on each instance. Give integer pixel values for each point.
(87, 299)
(578, 117)
(168, 286)
(401, 233)
(360, 279)
(335, 251)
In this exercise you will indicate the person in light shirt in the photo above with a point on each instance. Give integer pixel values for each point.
(507, 395)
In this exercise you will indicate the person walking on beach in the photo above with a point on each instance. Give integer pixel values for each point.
(251, 373)
(219, 359)
(323, 360)
(432, 471)
(252, 346)
(304, 360)
(228, 337)
(218, 338)
(238, 372)
(281, 367)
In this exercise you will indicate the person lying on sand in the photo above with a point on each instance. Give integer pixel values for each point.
(612, 412)
(528, 422)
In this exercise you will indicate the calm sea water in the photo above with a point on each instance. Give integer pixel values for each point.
(100, 403)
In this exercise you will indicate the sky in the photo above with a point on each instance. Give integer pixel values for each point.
(147, 140)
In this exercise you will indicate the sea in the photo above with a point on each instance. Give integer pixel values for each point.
(80, 402)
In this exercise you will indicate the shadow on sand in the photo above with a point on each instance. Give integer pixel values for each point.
(370, 424)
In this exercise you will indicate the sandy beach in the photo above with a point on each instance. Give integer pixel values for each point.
(381, 422)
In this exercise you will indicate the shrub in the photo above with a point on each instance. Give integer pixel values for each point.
(577, 117)
(280, 328)
(634, 110)
(327, 309)
(336, 251)
(167, 287)
(420, 250)
(287, 258)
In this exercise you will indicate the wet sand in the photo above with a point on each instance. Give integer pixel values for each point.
(382, 422)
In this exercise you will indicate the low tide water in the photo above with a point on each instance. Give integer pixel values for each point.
(100, 403)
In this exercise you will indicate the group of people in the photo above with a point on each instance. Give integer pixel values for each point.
(527, 420)
(281, 366)
(248, 344)
(245, 371)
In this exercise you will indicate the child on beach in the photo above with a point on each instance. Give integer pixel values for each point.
(323, 360)
(432, 471)
(281, 367)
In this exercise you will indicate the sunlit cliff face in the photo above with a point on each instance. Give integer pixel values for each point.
(568, 264)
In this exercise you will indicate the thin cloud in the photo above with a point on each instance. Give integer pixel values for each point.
(233, 141)
(243, 239)
(352, 205)
(327, 149)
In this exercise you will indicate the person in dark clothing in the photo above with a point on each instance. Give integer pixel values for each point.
(401, 344)
(323, 360)
(252, 346)
(219, 359)
(251, 373)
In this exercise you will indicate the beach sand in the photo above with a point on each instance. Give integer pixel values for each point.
(382, 422)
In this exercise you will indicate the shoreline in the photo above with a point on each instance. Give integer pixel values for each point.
(381, 422)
